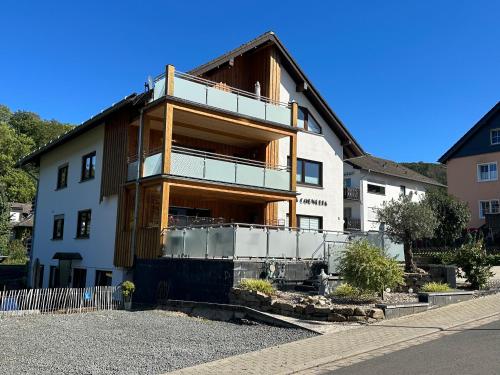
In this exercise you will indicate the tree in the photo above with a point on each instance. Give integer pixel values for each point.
(4, 222)
(407, 221)
(17, 184)
(452, 214)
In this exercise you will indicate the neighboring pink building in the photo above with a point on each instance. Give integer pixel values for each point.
(472, 167)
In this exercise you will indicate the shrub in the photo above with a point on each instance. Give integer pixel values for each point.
(257, 285)
(435, 287)
(368, 268)
(494, 259)
(16, 253)
(128, 288)
(475, 263)
(346, 291)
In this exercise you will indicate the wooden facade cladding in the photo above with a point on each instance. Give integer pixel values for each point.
(114, 166)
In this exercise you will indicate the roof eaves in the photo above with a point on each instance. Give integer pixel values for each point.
(468, 135)
(70, 134)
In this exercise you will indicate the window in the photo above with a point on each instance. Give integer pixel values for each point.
(310, 222)
(39, 276)
(495, 137)
(487, 172)
(347, 182)
(88, 166)
(103, 278)
(487, 207)
(402, 190)
(376, 189)
(58, 229)
(307, 122)
(83, 224)
(309, 172)
(79, 277)
(62, 177)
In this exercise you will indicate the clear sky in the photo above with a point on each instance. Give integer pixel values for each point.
(407, 77)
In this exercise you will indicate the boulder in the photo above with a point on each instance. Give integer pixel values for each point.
(356, 318)
(343, 310)
(321, 311)
(376, 313)
(358, 311)
(334, 317)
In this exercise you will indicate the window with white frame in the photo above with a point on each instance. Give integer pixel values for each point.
(487, 172)
(495, 136)
(487, 207)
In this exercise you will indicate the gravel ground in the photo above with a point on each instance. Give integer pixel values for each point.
(119, 342)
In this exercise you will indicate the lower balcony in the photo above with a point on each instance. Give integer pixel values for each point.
(352, 224)
(200, 165)
(351, 193)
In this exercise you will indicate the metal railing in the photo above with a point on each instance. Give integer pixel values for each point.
(351, 193)
(352, 224)
(186, 221)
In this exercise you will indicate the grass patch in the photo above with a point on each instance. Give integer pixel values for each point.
(435, 287)
(257, 285)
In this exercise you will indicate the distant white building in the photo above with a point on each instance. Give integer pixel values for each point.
(369, 182)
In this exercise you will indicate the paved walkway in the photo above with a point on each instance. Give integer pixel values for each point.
(325, 353)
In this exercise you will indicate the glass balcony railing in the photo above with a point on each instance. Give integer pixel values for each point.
(224, 97)
(215, 167)
(186, 162)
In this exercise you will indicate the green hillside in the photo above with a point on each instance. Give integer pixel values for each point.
(432, 170)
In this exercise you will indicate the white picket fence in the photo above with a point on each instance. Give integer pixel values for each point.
(60, 300)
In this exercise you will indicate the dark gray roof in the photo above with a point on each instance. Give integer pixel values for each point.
(391, 168)
(348, 142)
(467, 136)
(34, 157)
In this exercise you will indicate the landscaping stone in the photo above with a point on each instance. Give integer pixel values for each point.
(358, 311)
(343, 310)
(334, 317)
(376, 313)
(354, 318)
(321, 310)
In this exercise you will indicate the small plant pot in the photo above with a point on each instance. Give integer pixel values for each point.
(127, 305)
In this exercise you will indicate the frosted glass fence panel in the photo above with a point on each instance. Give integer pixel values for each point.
(152, 165)
(218, 170)
(250, 175)
(251, 242)
(311, 245)
(189, 90)
(282, 244)
(278, 113)
(222, 99)
(196, 242)
(159, 89)
(174, 242)
(187, 165)
(251, 107)
(132, 170)
(277, 179)
(220, 242)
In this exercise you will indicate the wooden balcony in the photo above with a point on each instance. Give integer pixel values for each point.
(351, 193)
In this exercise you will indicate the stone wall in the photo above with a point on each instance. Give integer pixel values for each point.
(313, 307)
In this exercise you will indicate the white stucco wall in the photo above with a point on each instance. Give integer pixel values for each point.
(98, 250)
(365, 209)
(325, 148)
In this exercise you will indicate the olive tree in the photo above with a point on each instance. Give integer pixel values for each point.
(406, 221)
(452, 215)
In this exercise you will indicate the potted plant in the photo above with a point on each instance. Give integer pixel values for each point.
(128, 288)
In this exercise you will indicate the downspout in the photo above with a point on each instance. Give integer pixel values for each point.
(137, 186)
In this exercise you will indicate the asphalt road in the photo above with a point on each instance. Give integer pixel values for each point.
(471, 352)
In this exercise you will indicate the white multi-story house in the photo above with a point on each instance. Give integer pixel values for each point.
(369, 182)
(245, 138)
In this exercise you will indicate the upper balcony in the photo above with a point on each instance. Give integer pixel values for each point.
(201, 165)
(221, 96)
(351, 193)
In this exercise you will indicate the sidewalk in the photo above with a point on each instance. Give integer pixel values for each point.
(318, 354)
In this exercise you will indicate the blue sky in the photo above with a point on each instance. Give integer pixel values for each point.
(408, 78)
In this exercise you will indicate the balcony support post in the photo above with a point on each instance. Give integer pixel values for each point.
(295, 114)
(165, 199)
(167, 138)
(292, 212)
(169, 80)
(293, 162)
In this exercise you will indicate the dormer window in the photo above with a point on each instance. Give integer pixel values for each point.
(495, 137)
